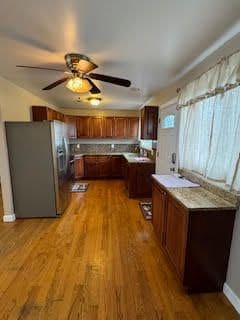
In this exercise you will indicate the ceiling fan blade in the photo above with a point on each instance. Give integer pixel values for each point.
(113, 80)
(56, 83)
(94, 89)
(39, 68)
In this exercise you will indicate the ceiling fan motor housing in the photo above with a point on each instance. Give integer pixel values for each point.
(79, 63)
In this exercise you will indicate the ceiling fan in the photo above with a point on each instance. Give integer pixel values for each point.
(78, 77)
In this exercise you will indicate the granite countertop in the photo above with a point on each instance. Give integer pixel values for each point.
(130, 157)
(195, 198)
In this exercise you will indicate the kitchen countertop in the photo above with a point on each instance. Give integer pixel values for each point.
(130, 157)
(196, 198)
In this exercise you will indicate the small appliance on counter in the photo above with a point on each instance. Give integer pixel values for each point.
(39, 167)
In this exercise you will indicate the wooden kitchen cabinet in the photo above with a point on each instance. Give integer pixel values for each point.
(103, 166)
(125, 172)
(196, 241)
(116, 166)
(72, 128)
(97, 127)
(41, 113)
(78, 168)
(120, 127)
(138, 179)
(109, 127)
(83, 127)
(90, 167)
(159, 198)
(176, 234)
(149, 123)
(133, 128)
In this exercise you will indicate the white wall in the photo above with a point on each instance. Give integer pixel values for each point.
(15, 104)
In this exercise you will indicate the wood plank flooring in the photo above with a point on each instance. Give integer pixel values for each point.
(100, 260)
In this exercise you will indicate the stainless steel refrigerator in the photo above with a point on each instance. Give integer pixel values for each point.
(39, 167)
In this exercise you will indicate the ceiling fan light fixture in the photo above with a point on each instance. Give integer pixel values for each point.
(94, 101)
(79, 85)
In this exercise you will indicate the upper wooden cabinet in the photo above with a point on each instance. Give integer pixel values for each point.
(97, 127)
(109, 127)
(91, 127)
(83, 127)
(41, 113)
(120, 127)
(132, 127)
(149, 123)
(72, 129)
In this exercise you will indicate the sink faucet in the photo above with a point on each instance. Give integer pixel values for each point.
(137, 149)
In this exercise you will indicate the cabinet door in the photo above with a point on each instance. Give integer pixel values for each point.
(120, 127)
(79, 168)
(116, 166)
(39, 113)
(149, 123)
(83, 127)
(143, 183)
(103, 166)
(159, 212)
(133, 126)
(176, 234)
(71, 127)
(97, 126)
(108, 127)
(90, 167)
(52, 114)
(125, 172)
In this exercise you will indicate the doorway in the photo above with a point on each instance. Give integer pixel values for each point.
(167, 157)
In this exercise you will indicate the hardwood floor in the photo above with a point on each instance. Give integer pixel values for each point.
(100, 260)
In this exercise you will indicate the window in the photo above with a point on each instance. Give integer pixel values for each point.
(209, 138)
(168, 122)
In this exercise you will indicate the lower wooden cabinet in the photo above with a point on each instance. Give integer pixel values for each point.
(116, 166)
(79, 168)
(138, 179)
(90, 167)
(197, 242)
(176, 234)
(101, 166)
(104, 168)
(159, 200)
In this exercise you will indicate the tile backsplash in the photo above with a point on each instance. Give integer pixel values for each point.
(101, 148)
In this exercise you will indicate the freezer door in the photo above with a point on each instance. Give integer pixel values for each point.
(61, 165)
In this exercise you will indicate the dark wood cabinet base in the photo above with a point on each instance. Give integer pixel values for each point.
(137, 178)
(197, 242)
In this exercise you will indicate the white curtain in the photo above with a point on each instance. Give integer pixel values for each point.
(209, 141)
(224, 75)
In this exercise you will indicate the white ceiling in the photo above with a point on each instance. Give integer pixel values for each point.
(148, 42)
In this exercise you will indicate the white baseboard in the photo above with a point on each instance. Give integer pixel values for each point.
(232, 297)
(9, 217)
